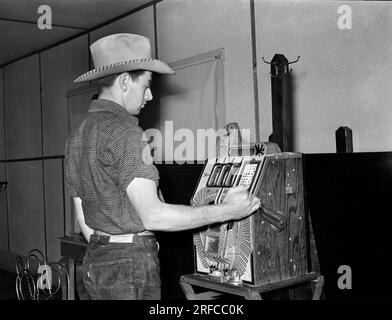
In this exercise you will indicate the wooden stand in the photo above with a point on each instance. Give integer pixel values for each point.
(246, 291)
(73, 249)
(277, 242)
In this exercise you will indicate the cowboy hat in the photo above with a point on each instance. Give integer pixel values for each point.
(122, 52)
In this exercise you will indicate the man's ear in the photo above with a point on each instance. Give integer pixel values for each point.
(124, 81)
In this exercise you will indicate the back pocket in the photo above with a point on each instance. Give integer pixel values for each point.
(106, 274)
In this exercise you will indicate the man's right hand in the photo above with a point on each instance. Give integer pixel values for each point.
(239, 203)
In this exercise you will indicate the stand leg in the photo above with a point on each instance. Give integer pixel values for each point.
(254, 295)
(188, 291)
(319, 288)
(191, 295)
(71, 273)
(64, 287)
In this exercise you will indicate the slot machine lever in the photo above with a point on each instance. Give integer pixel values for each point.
(273, 217)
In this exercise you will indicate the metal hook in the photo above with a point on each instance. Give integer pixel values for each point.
(267, 61)
(275, 62)
(294, 61)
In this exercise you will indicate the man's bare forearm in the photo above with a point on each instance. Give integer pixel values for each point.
(158, 216)
(169, 217)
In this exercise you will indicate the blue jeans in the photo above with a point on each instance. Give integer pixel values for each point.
(122, 271)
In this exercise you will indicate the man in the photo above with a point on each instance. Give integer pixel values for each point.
(114, 186)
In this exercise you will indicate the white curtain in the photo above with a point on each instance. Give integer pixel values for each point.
(190, 101)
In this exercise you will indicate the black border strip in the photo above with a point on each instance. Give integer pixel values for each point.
(307, 216)
(254, 68)
(83, 33)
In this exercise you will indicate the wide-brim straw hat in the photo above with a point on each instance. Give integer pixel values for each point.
(122, 52)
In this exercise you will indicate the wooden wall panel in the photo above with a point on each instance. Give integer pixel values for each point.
(23, 109)
(60, 66)
(54, 207)
(2, 138)
(3, 212)
(26, 206)
(340, 79)
(69, 221)
(78, 104)
(3, 194)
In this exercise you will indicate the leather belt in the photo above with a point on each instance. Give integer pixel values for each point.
(124, 238)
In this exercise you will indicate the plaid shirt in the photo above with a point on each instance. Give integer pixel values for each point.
(102, 157)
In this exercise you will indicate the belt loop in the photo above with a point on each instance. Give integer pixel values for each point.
(104, 239)
(135, 238)
(93, 238)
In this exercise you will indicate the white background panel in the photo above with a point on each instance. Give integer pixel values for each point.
(341, 78)
(188, 28)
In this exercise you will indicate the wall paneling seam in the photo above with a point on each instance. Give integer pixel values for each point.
(5, 164)
(42, 153)
(63, 190)
(35, 23)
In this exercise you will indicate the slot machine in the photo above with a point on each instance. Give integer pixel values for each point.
(276, 242)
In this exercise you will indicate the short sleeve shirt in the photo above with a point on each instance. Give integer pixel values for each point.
(102, 157)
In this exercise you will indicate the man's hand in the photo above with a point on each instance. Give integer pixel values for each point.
(240, 203)
(79, 216)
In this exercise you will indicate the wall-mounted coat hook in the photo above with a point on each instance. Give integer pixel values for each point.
(276, 62)
(294, 61)
(267, 61)
(280, 65)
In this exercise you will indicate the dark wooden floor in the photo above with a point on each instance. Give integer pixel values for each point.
(7, 285)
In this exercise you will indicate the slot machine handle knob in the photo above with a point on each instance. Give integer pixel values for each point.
(273, 217)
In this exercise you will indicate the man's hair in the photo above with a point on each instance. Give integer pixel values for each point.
(108, 81)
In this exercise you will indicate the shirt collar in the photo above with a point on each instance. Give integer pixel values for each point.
(113, 107)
